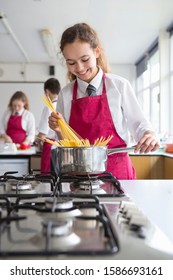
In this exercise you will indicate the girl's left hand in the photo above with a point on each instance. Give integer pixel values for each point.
(148, 143)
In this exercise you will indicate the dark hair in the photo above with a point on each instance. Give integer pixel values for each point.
(84, 33)
(19, 95)
(52, 85)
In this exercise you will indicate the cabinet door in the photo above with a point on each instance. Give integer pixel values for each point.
(168, 167)
(14, 164)
(148, 167)
(35, 162)
(142, 166)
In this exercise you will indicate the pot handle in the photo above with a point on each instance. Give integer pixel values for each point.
(120, 150)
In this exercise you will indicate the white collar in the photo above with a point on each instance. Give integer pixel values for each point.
(96, 81)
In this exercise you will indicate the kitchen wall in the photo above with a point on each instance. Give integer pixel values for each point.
(30, 78)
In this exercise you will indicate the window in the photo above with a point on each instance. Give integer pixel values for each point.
(154, 84)
(171, 86)
(147, 86)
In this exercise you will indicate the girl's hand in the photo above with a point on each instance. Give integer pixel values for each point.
(7, 139)
(148, 143)
(53, 121)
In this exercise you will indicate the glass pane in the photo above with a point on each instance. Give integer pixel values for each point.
(154, 59)
(155, 73)
(143, 81)
(155, 107)
(171, 53)
(146, 103)
(139, 83)
(154, 64)
(146, 78)
(170, 107)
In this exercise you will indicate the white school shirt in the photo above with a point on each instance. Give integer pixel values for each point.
(28, 123)
(127, 115)
(43, 126)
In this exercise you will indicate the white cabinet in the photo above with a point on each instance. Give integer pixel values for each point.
(14, 164)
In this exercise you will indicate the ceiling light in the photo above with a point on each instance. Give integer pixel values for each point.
(49, 42)
(3, 18)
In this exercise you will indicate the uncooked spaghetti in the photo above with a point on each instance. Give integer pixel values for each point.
(71, 138)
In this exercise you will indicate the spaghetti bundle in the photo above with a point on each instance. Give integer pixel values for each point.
(66, 130)
(71, 138)
(83, 143)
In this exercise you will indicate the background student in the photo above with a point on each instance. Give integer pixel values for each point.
(51, 89)
(18, 123)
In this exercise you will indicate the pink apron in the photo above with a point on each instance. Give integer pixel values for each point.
(46, 153)
(91, 118)
(15, 130)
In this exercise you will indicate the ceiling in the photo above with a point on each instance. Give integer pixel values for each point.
(126, 27)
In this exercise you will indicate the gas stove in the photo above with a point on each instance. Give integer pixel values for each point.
(70, 216)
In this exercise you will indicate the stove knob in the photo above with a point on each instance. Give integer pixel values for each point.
(127, 206)
(142, 232)
(131, 212)
(138, 220)
(121, 219)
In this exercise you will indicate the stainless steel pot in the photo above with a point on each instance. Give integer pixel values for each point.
(82, 160)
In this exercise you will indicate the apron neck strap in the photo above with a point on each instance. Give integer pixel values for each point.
(76, 86)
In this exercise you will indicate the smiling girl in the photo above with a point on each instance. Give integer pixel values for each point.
(112, 108)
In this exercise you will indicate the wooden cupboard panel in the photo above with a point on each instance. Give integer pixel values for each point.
(35, 162)
(157, 167)
(168, 168)
(148, 167)
(142, 166)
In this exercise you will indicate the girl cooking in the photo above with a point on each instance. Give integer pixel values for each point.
(18, 123)
(111, 110)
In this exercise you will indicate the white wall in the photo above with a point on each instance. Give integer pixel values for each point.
(30, 78)
(127, 71)
(30, 72)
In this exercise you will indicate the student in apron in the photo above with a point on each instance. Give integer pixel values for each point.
(112, 108)
(51, 89)
(18, 123)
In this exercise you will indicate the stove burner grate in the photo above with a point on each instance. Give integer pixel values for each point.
(59, 203)
(21, 186)
(48, 236)
(90, 184)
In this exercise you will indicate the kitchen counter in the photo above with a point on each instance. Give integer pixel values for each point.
(156, 153)
(31, 151)
(155, 199)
